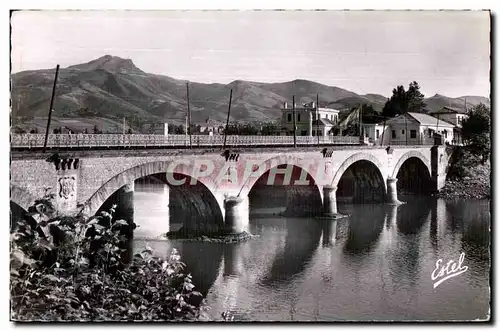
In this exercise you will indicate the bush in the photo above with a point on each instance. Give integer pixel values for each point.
(77, 269)
(476, 131)
(463, 163)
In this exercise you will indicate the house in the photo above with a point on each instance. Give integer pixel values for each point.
(451, 115)
(409, 128)
(209, 127)
(374, 131)
(309, 120)
(455, 116)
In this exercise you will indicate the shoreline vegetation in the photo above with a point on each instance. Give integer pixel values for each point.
(232, 238)
(80, 269)
(469, 176)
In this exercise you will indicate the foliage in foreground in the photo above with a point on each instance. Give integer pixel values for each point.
(476, 131)
(75, 269)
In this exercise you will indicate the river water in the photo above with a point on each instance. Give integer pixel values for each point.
(374, 265)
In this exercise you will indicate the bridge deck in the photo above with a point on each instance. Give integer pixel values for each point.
(37, 153)
(172, 141)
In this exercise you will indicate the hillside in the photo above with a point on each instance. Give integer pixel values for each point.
(438, 101)
(111, 87)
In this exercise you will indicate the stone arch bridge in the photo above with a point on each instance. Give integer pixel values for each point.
(222, 181)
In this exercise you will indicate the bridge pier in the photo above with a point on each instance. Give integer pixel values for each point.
(236, 218)
(392, 216)
(234, 264)
(330, 200)
(392, 191)
(329, 232)
(125, 207)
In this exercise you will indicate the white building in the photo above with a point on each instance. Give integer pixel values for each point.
(306, 122)
(409, 128)
(451, 115)
(455, 116)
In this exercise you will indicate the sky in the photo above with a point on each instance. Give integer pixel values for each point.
(446, 52)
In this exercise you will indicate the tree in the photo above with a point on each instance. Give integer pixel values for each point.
(96, 129)
(415, 98)
(270, 129)
(179, 129)
(369, 114)
(403, 101)
(476, 131)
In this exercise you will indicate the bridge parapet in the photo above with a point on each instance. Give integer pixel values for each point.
(132, 140)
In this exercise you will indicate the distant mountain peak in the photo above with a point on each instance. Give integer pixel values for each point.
(110, 63)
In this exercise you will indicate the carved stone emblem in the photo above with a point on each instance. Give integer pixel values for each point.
(66, 186)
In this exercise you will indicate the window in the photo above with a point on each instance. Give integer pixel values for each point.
(402, 131)
(377, 133)
(445, 133)
(393, 134)
(313, 132)
(413, 133)
(289, 117)
(298, 117)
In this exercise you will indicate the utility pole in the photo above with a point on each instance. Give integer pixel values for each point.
(294, 124)
(50, 109)
(317, 117)
(189, 116)
(406, 129)
(228, 114)
(383, 132)
(360, 119)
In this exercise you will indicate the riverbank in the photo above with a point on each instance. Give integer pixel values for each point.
(475, 184)
(220, 239)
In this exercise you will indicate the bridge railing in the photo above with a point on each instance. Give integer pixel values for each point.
(411, 142)
(145, 140)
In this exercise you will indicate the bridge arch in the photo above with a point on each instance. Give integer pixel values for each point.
(413, 171)
(407, 156)
(356, 158)
(362, 178)
(97, 199)
(302, 196)
(282, 159)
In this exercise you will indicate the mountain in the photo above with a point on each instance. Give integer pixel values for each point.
(438, 101)
(113, 88)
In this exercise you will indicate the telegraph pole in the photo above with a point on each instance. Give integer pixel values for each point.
(406, 128)
(383, 132)
(294, 124)
(360, 119)
(317, 117)
(189, 116)
(228, 114)
(50, 109)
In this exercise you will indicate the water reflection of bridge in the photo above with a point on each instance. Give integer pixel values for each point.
(275, 269)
